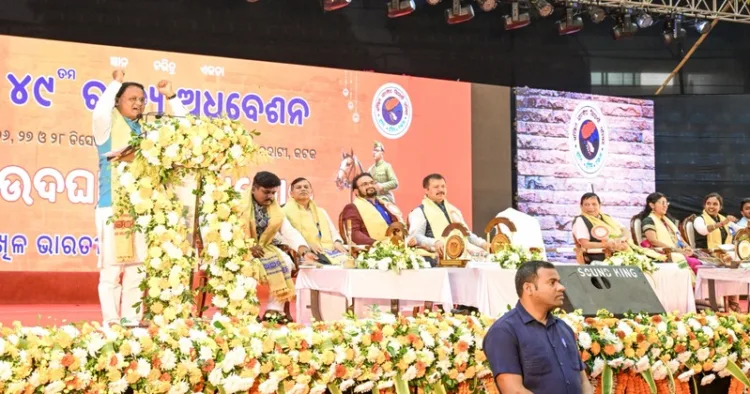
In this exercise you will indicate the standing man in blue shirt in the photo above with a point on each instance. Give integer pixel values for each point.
(529, 349)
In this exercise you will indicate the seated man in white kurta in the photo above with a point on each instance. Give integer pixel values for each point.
(427, 221)
(117, 114)
(271, 229)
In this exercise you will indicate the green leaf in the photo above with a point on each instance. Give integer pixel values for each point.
(218, 325)
(400, 385)
(607, 380)
(649, 378)
(438, 388)
(334, 388)
(736, 372)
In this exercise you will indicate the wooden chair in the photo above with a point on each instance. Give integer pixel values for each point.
(637, 232)
(687, 229)
(500, 239)
(582, 252)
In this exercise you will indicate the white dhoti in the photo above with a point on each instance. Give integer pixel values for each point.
(273, 303)
(119, 293)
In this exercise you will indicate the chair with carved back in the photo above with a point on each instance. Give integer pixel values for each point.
(345, 229)
(687, 229)
(637, 232)
(500, 239)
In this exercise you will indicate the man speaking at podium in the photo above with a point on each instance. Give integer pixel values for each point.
(117, 115)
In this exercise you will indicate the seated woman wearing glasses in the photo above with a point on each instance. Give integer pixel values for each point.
(659, 231)
(618, 237)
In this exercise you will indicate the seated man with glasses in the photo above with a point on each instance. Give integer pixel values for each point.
(370, 216)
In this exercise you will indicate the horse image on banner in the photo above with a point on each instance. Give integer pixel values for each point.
(349, 168)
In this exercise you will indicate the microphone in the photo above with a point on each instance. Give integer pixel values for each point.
(157, 115)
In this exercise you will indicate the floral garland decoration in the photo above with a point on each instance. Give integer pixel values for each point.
(386, 255)
(513, 256)
(188, 151)
(632, 259)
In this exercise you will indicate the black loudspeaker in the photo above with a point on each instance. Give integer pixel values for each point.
(616, 289)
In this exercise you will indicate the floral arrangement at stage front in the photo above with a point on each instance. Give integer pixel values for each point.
(513, 256)
(386, 255)
(438, 353)
(171, 152)
(632, 259)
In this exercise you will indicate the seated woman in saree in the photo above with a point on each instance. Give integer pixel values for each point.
(712, 230)
(659, 231)
(593, 220)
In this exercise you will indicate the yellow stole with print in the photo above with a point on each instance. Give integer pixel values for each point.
(436, 217)
(714, 237)
(615, 231)
(374, 222)
(313, 225)
(120, 135)
(276, 274)
(667, 236)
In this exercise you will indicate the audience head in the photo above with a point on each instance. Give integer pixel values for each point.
(301, 190)
(364, 186)
(130, 100)
(655, 202)
(591, 204)
(538, 284)
(713, 203)
(265, 186)
(434, 187)
(745, 207)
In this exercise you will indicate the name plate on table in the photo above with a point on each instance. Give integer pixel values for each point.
(616, 289)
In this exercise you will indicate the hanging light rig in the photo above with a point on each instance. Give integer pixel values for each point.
(399, 8)
(333, 5)
(516, 20)
(458, 13)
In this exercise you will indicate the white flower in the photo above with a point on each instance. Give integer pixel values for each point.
(724, 373)
(659, 371)
(179, 388)
(238, 294)
(215, 377)
(118, 386)
(173, 218)
(213, 250)
(708, 331)
(96, 342)
(234, 383)
(127, 179)
(584, 340)
(673, 366)
(702, 354)
(684, 356)
(642, 364)
(708, 379)
(655, 352)
(143, 368)
(429, 340)
(235, 357)
(694, 324)
(616, 363)
(219, 301)
(143, 221)
(720, 364)
(662, 326)
(172, 151)
(383, 265)
(185, 345)
(685, 376)
(168, 360)
(205, 353)
(6, 371)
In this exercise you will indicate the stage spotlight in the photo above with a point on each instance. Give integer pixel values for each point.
(702, 26)
(644, 20)
(433, 2)
(571, 24)
(459, 14)
(252, 1)
(544, 8)
(597, 14)
(516, 20)
(397, 8)
(673, 30)
(624, 28)
(333, 5)
(487, 5)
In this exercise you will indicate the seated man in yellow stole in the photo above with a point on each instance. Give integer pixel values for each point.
(314, 223)
(370, 216)
(269, 227)
(427, 221)
(118, 114)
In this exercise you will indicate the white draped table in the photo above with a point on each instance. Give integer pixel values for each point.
(726, 281)
(338, 287)
(486, 286)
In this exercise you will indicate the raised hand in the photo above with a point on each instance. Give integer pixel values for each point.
(165, 88)
(118, 75)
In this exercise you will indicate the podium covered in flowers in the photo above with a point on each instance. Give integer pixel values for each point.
(179, 192)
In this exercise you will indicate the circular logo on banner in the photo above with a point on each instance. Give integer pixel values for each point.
(588, 138)
(391, 111)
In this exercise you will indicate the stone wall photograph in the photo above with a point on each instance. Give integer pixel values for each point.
(572, 143)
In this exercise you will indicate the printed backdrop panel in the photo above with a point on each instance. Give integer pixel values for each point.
(313, 121)
(572, 143)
